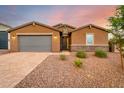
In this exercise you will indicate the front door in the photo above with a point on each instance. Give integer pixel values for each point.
(64, 43)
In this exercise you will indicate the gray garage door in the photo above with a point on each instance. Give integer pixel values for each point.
(35, 43)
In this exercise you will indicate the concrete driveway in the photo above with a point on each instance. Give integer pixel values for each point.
(3, 51)
(15, 66)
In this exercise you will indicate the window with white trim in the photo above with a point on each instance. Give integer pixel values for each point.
(89, 39)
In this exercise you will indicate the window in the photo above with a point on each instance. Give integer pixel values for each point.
(89, 39)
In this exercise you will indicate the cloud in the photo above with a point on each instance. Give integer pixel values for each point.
(82, 15)
(70, 14)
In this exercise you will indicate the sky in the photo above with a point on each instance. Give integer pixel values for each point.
(75, 15)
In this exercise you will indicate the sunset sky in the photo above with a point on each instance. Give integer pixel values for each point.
(52, 15)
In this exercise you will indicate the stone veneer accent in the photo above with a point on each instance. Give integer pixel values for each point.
(89, 48)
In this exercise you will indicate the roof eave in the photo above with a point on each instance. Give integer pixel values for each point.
(5, 25)
(26, 24)
(60, 25)
(82, 27)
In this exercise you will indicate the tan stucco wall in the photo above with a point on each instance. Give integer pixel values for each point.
(79, 37)
(14, 47)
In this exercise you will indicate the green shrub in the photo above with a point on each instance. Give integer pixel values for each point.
(62, 57)
(78, 63)
(81, 54)
(100, 53)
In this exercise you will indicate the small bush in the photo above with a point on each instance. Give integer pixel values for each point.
(78, 63)
(81, 54)
(100, 53)
(62, 57)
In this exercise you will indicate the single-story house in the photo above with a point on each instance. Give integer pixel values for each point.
(4, 36)
(35, 36)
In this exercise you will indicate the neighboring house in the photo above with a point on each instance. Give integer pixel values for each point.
(35, 36)
(4, 36)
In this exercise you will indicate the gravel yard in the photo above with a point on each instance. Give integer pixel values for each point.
(96, 72)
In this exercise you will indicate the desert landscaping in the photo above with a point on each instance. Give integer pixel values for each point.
(94, 72)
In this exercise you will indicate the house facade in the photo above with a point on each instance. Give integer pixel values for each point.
(38, 37)
(89, 38)
(34, 37)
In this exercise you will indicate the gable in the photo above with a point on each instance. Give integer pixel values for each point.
(62, 27)
(90, 26)
(79, 36)
(94, 30)
(34, 29)
(33, 25)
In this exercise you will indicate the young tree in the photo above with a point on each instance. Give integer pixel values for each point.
(117, 29)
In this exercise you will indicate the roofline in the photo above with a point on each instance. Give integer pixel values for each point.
(102, 28)
(64, 24)
(5, 25)
(57, 24)
(29, 23)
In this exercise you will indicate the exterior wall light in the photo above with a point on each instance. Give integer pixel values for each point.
(13, 37)
(55, 37)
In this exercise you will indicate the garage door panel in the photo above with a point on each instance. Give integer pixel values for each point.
(34, 49)
(35, 43)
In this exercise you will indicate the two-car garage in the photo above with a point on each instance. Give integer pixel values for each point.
(35, 43)
(34, 37)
